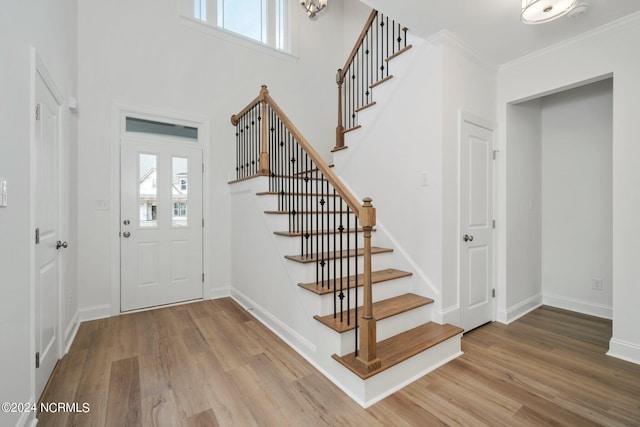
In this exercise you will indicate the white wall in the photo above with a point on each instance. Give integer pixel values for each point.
(412, 130)
(576, 198)
(142, 53)
(50, 27)
(524, 203)
(599, 53)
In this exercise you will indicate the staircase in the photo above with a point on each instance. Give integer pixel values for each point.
(371, 333)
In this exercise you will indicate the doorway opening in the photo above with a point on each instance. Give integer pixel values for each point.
(559, 199)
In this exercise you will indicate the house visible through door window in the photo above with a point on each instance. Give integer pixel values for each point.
(266, 21)
(180, 195)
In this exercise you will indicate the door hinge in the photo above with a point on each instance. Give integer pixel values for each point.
(37, 111)
(203, 168)
(202, 277)
(202, 222)
(493, 224)
(493, 292)
(37, 360)
(495, 152)
(37, 236)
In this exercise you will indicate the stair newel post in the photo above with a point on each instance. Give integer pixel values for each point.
(367, 355)
(264, 154)
(340, 127)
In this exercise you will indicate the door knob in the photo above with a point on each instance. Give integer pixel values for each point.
(60, 244)
(126, 234)
(468, 238)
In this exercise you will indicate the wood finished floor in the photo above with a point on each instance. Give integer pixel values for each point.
(211, 363)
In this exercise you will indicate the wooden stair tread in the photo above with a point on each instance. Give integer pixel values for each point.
(398, 53)
(277, 193)
(298, 177)
(364, 107)
(401, 347)
(381, 310)
(308, 212)
(318, 232)
(322, 288)
(336, 254)
(347, 131)
(379, 82)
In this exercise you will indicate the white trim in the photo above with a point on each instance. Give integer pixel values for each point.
(577, 305)
(296, 341)
(217, 293)
(573, 40)
(624, 350)
(95, 312)
(118, 115)
(71, 332)
(28, 418)
(447, 37)
(247, 42)
(515, 312)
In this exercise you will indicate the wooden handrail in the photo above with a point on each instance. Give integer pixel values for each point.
(343, 71)
(333, 179)
(366, 213)
(250, 105)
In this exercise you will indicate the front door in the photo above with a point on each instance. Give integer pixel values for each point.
(47, 234)
(160, 222)
(476, 226)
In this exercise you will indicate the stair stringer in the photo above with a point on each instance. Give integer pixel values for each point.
(402, 135)
(268, 290)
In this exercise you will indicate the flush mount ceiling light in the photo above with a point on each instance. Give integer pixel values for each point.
(541, 11)
(313, 6)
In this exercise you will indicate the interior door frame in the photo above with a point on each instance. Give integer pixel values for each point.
(119, 114)
(38, 68)
(467, 117)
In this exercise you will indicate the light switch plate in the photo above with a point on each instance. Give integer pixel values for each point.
(3, 192)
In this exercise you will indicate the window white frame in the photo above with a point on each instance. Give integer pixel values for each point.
(285, 48)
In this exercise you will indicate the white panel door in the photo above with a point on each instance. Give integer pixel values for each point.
(161, 223)
(476, 228)
(47, 220)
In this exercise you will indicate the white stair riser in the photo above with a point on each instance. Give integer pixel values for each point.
(270, 203)
(381, 291)
(386, 328)
(282, 222)
(293, 245)
(306, 272)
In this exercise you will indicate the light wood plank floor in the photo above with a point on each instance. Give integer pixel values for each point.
(211, 363)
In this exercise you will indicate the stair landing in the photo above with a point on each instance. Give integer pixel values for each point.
(401, 347)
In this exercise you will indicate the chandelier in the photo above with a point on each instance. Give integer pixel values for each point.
(540, 11)
(313, 6)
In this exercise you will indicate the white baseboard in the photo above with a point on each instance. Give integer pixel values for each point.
(515, 312)
(72, 330)
(580, 306)
(28, 418)
(216, 293)
(624, 350)
(96, 312)
(288, 335)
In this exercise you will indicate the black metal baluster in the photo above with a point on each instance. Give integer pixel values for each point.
(387, 47)
(349, 264)
(341, 230)
(377, 46)
(318, 227)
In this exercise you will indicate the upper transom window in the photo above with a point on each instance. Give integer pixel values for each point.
(265, 21)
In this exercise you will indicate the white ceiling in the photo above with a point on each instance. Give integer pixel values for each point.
(493, 29)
